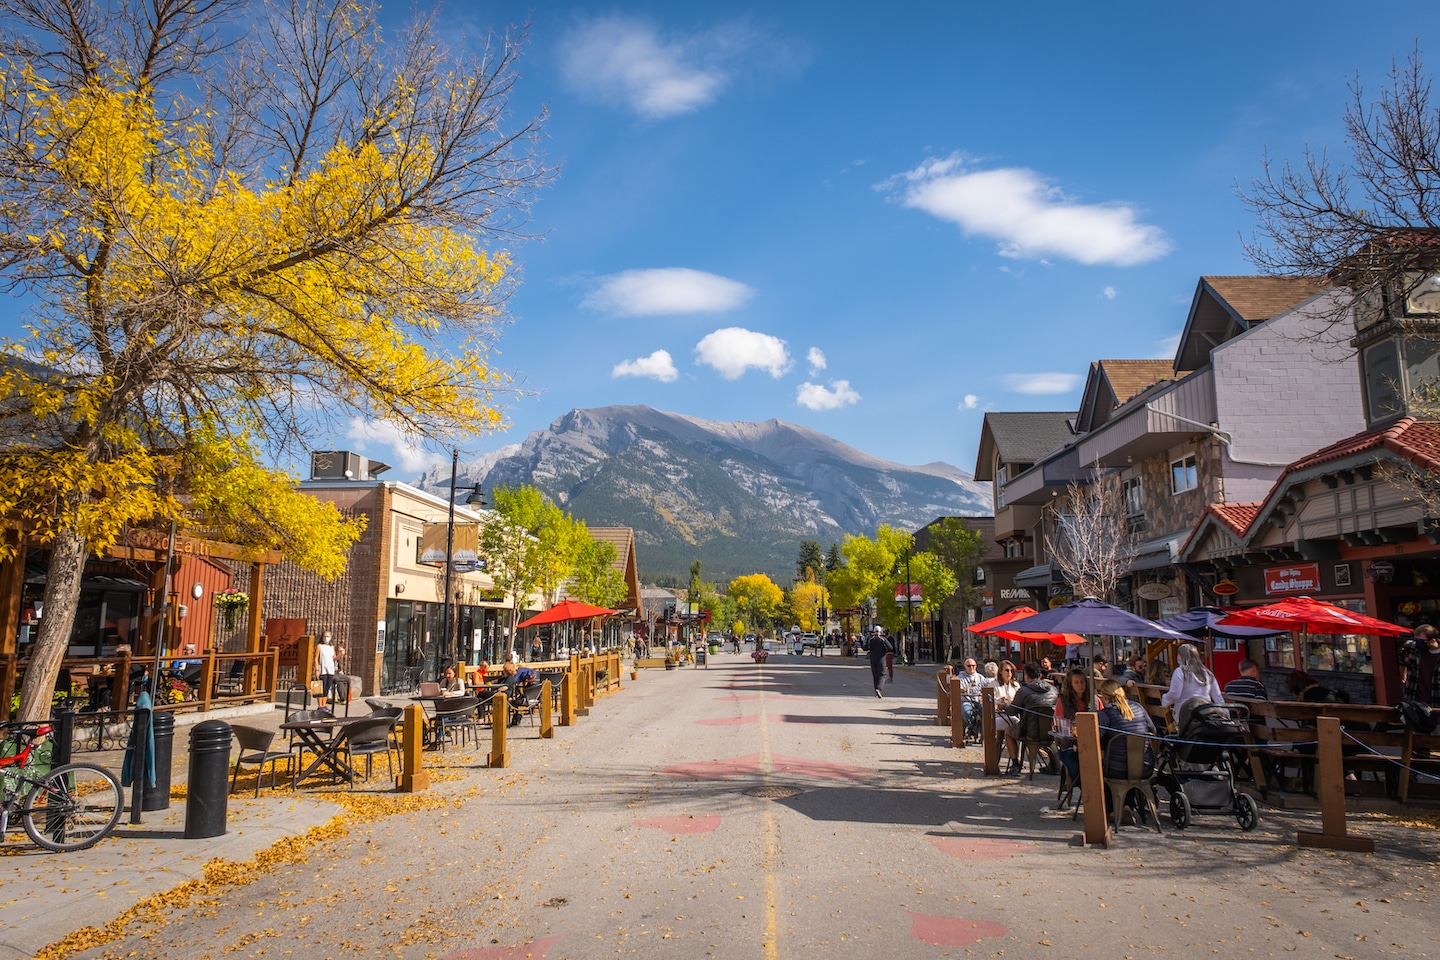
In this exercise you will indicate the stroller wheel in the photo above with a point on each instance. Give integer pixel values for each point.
(1179, 810)
(1246, 812)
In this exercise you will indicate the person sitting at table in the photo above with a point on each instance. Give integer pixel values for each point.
(966, 687)
(1032, 705)
(450, 684)
(1157, 673)
(1118, 721)
(1248, 684)
(1307, 689)
(1006, 686)
(1134, 672)
(1192, 679)
(1072, 700)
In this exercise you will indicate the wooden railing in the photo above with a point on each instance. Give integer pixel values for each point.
(221, 681)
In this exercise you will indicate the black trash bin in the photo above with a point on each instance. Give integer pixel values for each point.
(209, 786)
(162, 726)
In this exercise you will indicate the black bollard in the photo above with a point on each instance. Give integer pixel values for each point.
(63, 717)
(162, 726)
(139, 750)
(208, 788)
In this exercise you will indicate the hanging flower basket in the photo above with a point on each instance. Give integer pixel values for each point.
(230, 603)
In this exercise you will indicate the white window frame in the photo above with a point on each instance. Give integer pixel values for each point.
(1190, 466)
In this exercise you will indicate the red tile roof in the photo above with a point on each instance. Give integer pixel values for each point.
(1235, 517)
(1415, 440)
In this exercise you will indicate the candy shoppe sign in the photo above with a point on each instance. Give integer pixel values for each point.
(1296, 578)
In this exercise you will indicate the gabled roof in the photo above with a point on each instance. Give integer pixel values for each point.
(1112, 382)
(1417, 441)
(1233, 518)
(1225, 307)
(1020, 438)
(1408, 439)
(625, 561)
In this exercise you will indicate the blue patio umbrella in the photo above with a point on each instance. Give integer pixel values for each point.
(1200, 620)
(1093, 616)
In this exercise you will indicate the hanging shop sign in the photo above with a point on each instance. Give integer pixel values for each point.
(1153, 591)
(1225, 588)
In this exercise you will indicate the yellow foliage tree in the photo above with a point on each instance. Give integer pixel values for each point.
(234, 236)
(757, 598)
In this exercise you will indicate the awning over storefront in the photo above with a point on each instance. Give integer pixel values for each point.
(1154, 554)
(1038, 576)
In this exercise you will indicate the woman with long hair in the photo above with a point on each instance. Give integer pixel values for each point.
(1192, 679)
(1116, 718)
(1072, 700)
(1006, 685)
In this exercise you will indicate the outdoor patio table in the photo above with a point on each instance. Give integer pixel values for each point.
(324, 738)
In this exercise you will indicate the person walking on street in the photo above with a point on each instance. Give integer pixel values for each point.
(324, 669)
(889, 659)
(879, 650)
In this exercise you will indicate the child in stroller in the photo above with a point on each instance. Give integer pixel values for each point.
(1197, 768)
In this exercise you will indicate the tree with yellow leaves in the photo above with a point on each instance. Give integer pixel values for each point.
(236, 234)
(757, 598)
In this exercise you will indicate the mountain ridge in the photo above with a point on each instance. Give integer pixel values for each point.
(737, 495)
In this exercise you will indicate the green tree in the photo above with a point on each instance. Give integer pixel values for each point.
(513, 555)
(595, 579)
(833, 558)
(237, 227)
(961, 550)
(810, 564)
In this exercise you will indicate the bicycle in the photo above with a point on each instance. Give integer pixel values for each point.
(70, 807)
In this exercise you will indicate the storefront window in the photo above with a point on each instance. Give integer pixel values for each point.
(1346, 654)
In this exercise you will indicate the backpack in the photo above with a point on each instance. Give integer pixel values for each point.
(1417, 717)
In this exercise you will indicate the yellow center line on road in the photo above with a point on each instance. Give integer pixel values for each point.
(767, 827)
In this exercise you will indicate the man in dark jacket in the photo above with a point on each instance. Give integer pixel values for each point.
(1033, 708)
(877, 648)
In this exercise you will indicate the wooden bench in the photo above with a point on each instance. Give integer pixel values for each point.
(649, 662)
(1376, 742)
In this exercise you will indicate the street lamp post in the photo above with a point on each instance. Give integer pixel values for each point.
(472, 499)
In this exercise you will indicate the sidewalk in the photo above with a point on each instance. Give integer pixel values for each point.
(45, 896)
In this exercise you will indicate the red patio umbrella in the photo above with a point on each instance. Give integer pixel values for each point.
(995, 627)
(1315, 616)
(564, 611)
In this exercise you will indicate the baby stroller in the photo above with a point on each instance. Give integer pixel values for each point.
(1197, 768)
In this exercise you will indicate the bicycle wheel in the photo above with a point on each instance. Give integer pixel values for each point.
(73, 807)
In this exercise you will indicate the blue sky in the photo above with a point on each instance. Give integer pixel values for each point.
(881, 221)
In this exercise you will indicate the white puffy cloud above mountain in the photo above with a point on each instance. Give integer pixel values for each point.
(730, 351)
(658, 366)
(813, 396)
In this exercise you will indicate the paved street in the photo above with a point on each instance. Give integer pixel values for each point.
(778, 811)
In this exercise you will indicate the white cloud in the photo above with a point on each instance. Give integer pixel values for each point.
(1027, 215)
(403, 448)
(733, 350)
(1042, 383)
(657, 366)
(813, 396)
(620, 59)
(969, 402)
(1109, 293)
(1167, 348)
(816, 358)
(667, 290)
